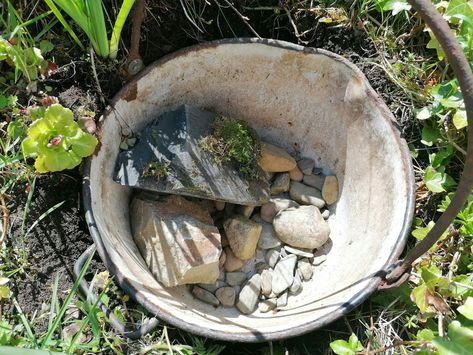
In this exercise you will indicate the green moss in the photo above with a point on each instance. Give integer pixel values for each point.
(234, 141)
(156, 169)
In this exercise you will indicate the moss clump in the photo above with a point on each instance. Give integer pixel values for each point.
(234, 141)
(156, 169)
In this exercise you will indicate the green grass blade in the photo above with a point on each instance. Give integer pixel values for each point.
(25, 322)
(63, 21)
(43, 216)
(90, 318)
(97, 27)
(22, 351)
(117, 29)
(66, 303)
(54, 302)
(27, 206)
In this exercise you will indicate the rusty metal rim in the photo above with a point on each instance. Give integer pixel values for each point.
(255, 336)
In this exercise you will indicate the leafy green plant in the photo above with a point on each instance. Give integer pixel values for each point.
(56, 141)
(19, 49)
(89, 16)
(343, 347)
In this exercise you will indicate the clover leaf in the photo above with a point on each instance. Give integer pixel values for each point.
(56, 141)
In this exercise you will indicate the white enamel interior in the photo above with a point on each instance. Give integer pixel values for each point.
(316, 103)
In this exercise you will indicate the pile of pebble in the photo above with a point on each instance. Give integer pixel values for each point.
(270, 251)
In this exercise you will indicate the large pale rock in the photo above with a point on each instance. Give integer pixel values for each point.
(306, 195)
(243, 235)
(302, 227)
(275, 204)
(275, 159)
(330, 189)
(177, 239)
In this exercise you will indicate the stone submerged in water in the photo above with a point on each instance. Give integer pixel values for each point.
(243, 235)
(302, 227)
(168, 158)
(177, 240)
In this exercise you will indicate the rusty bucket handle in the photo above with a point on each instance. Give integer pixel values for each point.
(461, 68)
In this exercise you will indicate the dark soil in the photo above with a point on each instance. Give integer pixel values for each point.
(56, 243)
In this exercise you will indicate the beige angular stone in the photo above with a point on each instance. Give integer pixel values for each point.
(177, 240)
(302, 227)
(275, 159)
(243, 235)
(330, 189)
(226, 296)
(296, 174)
(232, 263)
(246, 211)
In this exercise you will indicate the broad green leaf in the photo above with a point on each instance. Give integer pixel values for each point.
(83, 144)
(4, 292)
(467, 309)
(460, 9)
(434, 44)
(56, 141)
(341, 347)
(396, 6)
(421, 233)
(45, 46)
(16, 129)
(430, 135)
(457, 331)
(459, 119)
(425, 334)
(432, 277)
(419, 297)
(434, 180)
(424, 114)
(355, 344)
(29, 147)
(442, 156)
(448, 347)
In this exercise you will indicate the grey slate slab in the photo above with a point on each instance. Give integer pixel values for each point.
(172, 140)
